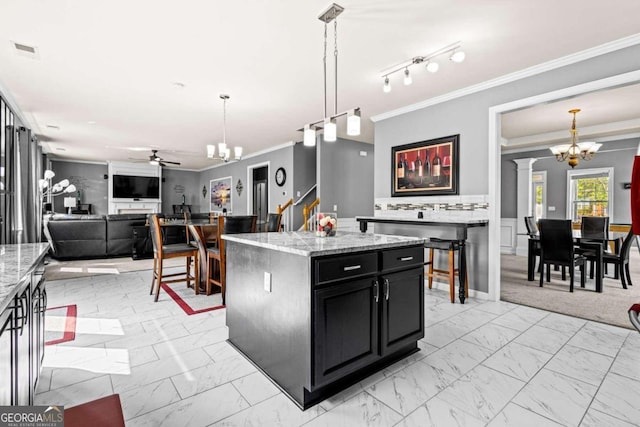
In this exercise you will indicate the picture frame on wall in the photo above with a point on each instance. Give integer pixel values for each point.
(220, 195)
(426, 168)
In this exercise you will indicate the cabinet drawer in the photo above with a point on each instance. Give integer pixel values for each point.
(345, 266)
(403, 257)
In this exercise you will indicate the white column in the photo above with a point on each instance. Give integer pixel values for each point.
(524, 206)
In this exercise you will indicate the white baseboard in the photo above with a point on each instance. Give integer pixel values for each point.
(444, 286)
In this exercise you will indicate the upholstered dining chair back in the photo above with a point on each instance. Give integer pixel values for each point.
(556, 241)
(239, 224)
(273, 222)
(532, 227)
(595, 227)
(156, 233)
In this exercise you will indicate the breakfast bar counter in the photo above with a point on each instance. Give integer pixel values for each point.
(319, 314)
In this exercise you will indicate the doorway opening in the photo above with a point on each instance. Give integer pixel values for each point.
(258, 191)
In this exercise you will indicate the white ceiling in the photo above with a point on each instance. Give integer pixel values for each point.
(116, 64)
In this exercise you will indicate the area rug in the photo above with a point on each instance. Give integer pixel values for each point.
(611, 306)
(191, 303)
(64, 270)
(60, 324)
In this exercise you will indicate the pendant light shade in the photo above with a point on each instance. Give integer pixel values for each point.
(309, 136)
(353, 122)
(330, 130)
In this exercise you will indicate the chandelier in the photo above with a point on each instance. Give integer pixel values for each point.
(328, 123)
(224, 152)
(576, 150)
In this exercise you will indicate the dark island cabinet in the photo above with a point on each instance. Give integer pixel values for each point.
(22, 341)
(376, 311)
(402, 309)
(346, 329)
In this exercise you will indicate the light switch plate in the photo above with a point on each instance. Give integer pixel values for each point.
(267, 281)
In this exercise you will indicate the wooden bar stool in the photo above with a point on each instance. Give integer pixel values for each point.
(451, 246)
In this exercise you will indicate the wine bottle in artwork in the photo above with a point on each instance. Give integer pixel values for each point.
(436, 168)
(410, 172)
(419, 174)
(426, 168)
(401, 171)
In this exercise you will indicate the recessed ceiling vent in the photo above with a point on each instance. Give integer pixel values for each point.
(25, 50)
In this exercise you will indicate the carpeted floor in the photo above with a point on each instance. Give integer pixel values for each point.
(608, 307)
(62, 270)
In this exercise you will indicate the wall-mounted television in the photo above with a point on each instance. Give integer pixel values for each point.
(136, 187)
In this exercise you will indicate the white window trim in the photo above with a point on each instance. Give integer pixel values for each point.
(543, 181)
(570, 195)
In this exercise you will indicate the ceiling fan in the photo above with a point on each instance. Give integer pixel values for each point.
(154, 159)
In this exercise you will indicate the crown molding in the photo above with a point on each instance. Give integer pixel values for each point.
(518, 75)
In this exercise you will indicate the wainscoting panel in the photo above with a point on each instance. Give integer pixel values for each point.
(508, 236)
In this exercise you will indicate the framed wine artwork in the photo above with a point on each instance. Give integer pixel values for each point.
(426, 168)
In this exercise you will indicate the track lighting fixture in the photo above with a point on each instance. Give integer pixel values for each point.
(328, 123)
(456, 55)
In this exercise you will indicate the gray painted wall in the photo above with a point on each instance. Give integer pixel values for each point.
(88, 178)
(468, 116)
(304, 177)
(618, 154)
(345, 177)
(238, 171)
(178, 183)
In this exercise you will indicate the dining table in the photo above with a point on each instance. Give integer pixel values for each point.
(590, 244)
(201, 228)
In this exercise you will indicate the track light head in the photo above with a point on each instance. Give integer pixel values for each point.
(407, 77)
(433, 67)
(457, 56)
(387, 86)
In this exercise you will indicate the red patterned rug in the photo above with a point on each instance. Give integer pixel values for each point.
(60, 324)
(191, 303)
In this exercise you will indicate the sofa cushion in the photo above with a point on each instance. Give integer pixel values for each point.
(75, 237)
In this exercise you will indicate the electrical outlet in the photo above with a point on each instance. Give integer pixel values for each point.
(335, 208)
(267, 281)
(552, 208)
(298, 194)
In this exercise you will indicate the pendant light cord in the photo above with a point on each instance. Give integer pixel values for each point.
(324, 60)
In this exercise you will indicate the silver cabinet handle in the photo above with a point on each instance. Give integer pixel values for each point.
(352, 267)
(406, 258)
(386, 289)
(376, 296)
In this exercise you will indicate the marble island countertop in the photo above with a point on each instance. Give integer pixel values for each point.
(16, 261)
(307, 244)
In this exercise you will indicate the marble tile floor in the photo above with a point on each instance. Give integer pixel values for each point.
(481, 364)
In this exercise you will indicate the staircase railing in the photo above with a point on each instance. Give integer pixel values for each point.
(309, 215)
(286, 212)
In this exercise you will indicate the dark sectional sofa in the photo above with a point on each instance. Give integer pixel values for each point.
(97, 236)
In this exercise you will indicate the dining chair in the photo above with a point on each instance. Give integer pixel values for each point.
(216, 257)
(594, 228)
(273, 222)
(620, 259)
(162, 251)
(532, 231)
(556, 247)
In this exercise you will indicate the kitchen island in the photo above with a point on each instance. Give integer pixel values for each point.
(23, 300)
(317, 314)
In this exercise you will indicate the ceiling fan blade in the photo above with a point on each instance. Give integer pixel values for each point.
(173, 163)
